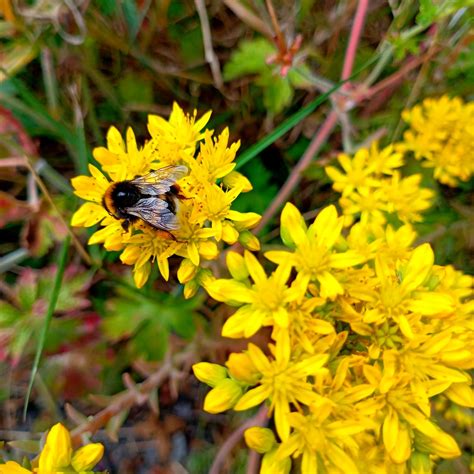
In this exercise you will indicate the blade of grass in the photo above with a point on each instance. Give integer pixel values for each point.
(251, 152)
(47, 320)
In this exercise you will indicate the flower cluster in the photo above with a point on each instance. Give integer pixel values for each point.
(57, 456)
(365, 330)
(374, 190)
(441, 134)
(207, 192)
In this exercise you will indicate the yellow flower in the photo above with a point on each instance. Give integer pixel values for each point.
(215, 157)
(370, 205)
(210, 374)
(57, 456)
(223, 396)
(406, 198)
(262, 304)
(260, 439)
(363, 169)
(315, 257)
(442, 135)
(317, 435)
(174, 140)
(282, 381)
(11, 467)
(204, 212)
(90, 188)
(373, 187)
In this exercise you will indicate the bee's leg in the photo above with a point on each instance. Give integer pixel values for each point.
(176, 191)
(164, 234)
(126, 225)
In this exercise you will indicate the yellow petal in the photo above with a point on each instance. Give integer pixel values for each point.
(230, 234)
(115, 142)
(223, 397)
(260, 439)
(241, 367)
(330, 287)
(88, 188)
(85, 458)
(256, 270)
(418, 267)
(12, 467)
(229, 290)
(186, 271)
(309, 463)
(346, 259)
(210, 374)
(292, 226)
(163, 266)
(390, 429)
(249, 241)
(402, 449)
(140, 275)
(253, 397)
(57, 451)
(462, 394)
(282, 410)
(88, 215)
(327, 227)
(243, 323)
(236, 265)
(431, 303)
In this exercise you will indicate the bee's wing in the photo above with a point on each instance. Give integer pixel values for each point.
(154, 211)
(160, 181)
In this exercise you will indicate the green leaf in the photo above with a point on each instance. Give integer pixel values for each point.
(27, 445)
(151, 341)
(8, 314)
(298, 76)
(47, 320)
(132, 18)
(250, 58)
(427, 14)
(277, 91)
(122, 324)
(182, 322)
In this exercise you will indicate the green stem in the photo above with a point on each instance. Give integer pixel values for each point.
(47, 320)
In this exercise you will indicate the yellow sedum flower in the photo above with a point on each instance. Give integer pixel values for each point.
(373, 188)
(57, 456)
(260, 439)
(315, 256)
(205, 215)
(282, 382)
(441, 134)
(356, 358)
(263, 303)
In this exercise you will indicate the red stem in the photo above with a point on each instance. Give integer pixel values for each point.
(328, 126)
(258, 420)
(356, 31)
(295, 176)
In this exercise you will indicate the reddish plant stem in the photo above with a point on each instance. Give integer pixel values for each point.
(295, 176)
(122, 402)
(356, 31)
(253, 463)
(258, 420)
(399, 75)
(328, 126)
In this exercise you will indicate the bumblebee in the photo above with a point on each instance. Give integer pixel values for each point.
(153, 198)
